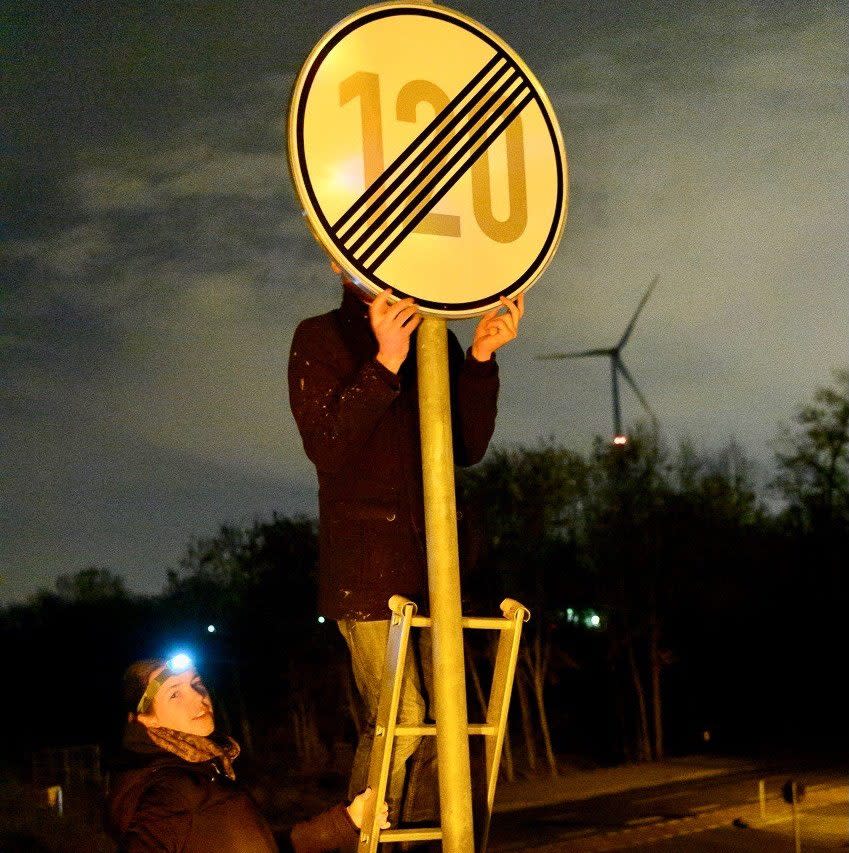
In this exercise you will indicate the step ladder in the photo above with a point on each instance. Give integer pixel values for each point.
(386, 729)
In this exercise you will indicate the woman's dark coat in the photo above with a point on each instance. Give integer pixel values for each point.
(360, 427)
(159, 802)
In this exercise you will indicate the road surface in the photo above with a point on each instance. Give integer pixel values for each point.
(697, 815)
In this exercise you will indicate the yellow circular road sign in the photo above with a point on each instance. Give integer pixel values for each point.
(428, 158)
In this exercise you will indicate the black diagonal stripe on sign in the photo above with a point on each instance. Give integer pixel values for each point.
(423, 190)
(422, 157)
(439, 194)
(407, 152)
(480, 111)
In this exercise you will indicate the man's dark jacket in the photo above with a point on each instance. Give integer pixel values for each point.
(360, 426)
(160, 802)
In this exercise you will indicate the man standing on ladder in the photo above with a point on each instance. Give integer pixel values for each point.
(353, 393)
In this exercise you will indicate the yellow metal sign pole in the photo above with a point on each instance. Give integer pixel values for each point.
(443, 561)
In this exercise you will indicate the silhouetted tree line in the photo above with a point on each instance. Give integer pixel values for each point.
(674, 609)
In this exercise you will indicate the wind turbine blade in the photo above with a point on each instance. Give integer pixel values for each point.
(630, 380)
(587, 353)
(630, 328)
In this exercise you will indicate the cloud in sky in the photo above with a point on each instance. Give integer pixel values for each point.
(158, 262)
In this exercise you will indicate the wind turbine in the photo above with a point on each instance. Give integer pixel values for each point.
(617, 367)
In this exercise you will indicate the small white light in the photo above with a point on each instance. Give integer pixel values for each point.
(620, 439)
(210, 628)
(321, 620)
(179, 663)
(592, 620)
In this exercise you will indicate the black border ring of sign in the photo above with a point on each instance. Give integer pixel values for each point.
(328, 229)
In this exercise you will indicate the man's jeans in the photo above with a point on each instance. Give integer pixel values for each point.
(367, 644)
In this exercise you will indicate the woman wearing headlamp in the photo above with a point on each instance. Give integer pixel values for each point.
(177, 789)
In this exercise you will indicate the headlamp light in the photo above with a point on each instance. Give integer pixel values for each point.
(173, 666)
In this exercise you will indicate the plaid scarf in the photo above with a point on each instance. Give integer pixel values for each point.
(195, 748)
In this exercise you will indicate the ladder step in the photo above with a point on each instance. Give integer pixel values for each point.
(482, 729)
(475, 622)
(425, 833)
(430, 730)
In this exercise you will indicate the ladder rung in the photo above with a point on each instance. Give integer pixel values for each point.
(486, 623)
(430, 730)
(415, 731)
(426, 833)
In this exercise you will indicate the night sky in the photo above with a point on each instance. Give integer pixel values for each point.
(155, 263)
